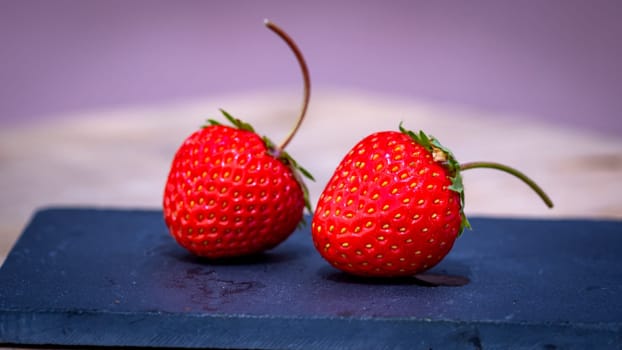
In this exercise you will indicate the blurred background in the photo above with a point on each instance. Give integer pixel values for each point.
(96, 96)
(558, 60)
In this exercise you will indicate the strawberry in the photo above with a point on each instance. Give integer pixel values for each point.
(231, 192)
(395, 205)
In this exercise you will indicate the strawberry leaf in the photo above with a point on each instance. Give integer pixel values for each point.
(297, 170)
(445, 157)
(212, 122)
(237, 122)
(305, 172)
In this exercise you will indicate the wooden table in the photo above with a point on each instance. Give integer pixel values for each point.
(120, 157)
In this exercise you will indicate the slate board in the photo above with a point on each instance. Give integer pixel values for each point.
(112, 277)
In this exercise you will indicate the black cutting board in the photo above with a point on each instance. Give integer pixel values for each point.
(114, 277)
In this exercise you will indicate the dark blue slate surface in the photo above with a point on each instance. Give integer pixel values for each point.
(116, 278)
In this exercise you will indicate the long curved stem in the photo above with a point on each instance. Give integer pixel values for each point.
(512, 171)
(305, 76)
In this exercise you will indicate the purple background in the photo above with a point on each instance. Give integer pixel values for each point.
(558, 60)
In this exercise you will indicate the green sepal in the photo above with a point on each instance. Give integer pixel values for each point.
(237, 122)
(445, 157)
(211, 122)
(298, 171)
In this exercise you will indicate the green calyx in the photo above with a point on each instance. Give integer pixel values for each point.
(235, 121)
(298, 171)
(445, 157)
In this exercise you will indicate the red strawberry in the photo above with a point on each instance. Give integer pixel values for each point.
(231, 192)
(394, 205)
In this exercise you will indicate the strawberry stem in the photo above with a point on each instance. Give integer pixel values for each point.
(305, 76)
(512, 171)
